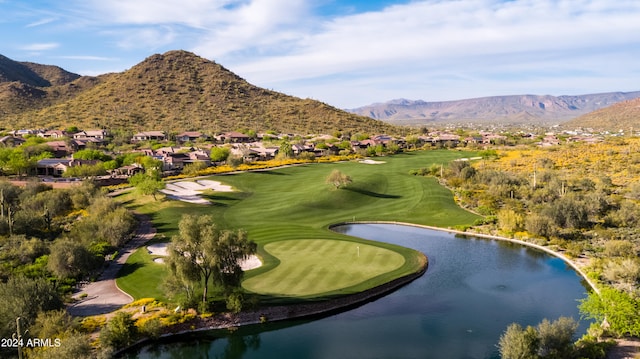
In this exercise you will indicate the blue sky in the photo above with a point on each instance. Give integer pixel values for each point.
(348, 53)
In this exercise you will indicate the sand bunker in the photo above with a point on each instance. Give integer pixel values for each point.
(160, 249)
(191, 192)
(252, 262)
(372, 162)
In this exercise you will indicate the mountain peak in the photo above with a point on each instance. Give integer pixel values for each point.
(178, 91)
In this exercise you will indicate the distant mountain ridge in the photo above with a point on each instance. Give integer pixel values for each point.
(33, 74)
(174, 91)
(498, 109)
(27, 86)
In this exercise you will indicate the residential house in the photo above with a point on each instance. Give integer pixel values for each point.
(61, 149)
(298, 149)
(174, 161)
(386, 140)
(149, 136)
(425, 140)
(199, 156)
(494, 139)
(473, 139)
(174, 158)
(326, 149)
(82, 143)
(129, 170)
(446, 139)
(11, 141)
(95, 134)
(191, 136)
(233, 137)
(53, 134)
(170, 149)
(254, 151)
(24, 132)
(57, 166)
(265, 153)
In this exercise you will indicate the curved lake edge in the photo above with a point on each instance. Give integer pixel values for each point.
(340, 304)
(277, 313)
(547, 250)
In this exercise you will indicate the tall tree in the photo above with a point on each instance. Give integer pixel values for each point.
(219, 154)
(146, 184)
(618, 308)
(69, 259)
(518, 343)
(25, 297)
(202, 252)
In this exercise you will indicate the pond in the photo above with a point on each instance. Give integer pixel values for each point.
(473, 289)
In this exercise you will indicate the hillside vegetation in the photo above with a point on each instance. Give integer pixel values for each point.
(621, 116)
(175, 91)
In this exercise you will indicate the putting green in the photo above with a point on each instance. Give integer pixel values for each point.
(313, 266)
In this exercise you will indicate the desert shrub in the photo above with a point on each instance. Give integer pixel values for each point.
(119, 332)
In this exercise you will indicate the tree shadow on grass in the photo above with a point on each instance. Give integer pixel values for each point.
(128, 202)
(161, 227)
(371, 193)
(128, 268)
(220, 200)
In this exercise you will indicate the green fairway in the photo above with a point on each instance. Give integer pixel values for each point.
(295, 203)
(139, 276)
(312, 267)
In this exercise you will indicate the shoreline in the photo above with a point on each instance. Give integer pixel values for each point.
(334, 305)
(547, 250)
(286, 312)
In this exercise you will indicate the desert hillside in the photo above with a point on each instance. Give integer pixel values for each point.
(175, 91)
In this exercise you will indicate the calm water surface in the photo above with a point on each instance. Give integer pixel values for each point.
(473, 289)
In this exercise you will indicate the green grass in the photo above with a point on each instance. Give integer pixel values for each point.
(139, 276)
(314, 267)
(296, 204)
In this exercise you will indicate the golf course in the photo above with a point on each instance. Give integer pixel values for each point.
(288, 213)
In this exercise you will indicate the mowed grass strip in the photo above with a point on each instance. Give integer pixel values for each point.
(139, 276)
(317, 266)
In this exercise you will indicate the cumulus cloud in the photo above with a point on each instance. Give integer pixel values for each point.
(464, 42)
(422, 49)
(260, 27)
(440, 32)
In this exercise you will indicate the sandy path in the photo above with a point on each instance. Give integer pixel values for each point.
(103, 296)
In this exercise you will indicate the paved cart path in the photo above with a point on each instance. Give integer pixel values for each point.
(103, 296)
